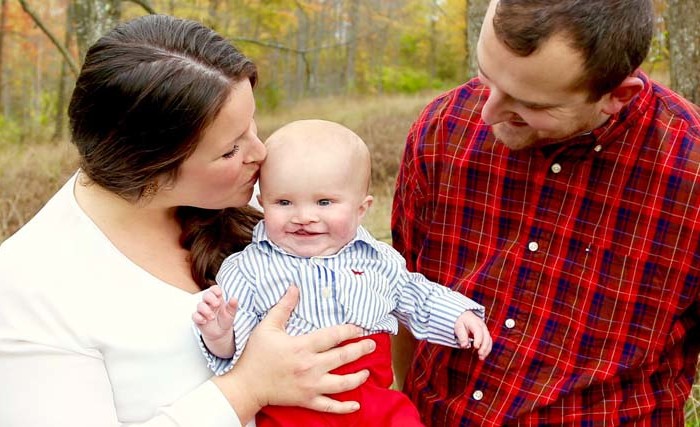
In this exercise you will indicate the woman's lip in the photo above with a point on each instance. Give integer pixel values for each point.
(253, 179)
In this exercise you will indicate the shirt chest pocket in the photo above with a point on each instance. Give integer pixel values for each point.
(625, 303)
(366, 296)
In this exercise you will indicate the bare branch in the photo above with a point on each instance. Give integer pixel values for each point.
(37, 20)
(146, 5)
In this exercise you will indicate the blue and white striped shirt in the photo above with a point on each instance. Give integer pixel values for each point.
(366, 284)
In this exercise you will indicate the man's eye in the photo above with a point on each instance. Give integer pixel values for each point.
(324, 202)
(232, 153)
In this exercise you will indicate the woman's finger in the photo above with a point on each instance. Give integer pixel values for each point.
(327, 338)
(339, 356)
(326, 404)
(333, 383)
(279, 314)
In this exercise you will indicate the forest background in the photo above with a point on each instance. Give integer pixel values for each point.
(369, 64)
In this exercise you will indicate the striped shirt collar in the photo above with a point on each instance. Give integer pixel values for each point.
(262, 240)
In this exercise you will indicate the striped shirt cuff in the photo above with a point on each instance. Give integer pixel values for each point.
(447, 307)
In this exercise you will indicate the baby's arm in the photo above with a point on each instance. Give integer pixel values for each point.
(471, 330)
(214, 318)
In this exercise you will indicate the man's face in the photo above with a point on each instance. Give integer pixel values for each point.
(534, 100)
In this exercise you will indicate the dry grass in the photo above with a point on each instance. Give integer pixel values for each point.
(31, 174)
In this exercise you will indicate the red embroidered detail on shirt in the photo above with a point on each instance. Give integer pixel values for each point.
(357, 272)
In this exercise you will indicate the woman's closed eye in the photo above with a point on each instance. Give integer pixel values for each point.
(232, 153)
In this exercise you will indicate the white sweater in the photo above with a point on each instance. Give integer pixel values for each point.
(87, 338)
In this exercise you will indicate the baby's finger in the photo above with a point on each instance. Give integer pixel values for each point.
(228, 313)
(212, 299)
(205, 310)
(486, 346)
(198, 318)
(462, 335)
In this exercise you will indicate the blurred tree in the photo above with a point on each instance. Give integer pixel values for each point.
(92, 19)
(3, 20)
(476, 9)
(684, 43)
(60, 113)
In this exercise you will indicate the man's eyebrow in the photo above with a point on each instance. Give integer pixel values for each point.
(527, 104)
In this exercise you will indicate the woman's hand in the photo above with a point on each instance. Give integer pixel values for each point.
(277, 369)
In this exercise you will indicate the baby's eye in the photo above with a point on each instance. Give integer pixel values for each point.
(231, 153)
(284, 202)
(324, 202)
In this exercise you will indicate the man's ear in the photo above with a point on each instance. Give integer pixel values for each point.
(365, 205)
(622, 95)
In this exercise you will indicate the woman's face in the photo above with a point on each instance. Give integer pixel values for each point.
(223, 169)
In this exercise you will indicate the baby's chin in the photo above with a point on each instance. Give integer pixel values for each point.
(311, 251)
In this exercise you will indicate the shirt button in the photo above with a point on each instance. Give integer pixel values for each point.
(478, 395)
(510, 323)
(326, 292)
(533, 246)
(597, 148)
(556, 167)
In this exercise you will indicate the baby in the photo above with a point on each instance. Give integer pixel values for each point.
(314, 187)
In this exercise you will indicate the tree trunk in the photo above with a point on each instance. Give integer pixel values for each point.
(476, 9)
(302, 72)
(352, 34)
(92, 19)
(3, 17)
(684, 43)
(61, 97)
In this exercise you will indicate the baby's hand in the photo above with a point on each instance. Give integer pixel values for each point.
(471, 331)
(214, 318)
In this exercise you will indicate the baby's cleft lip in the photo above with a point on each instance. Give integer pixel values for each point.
(303, 232)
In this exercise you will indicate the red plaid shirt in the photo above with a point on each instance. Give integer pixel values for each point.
(586, 255)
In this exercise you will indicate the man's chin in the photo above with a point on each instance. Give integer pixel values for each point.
(514, 139)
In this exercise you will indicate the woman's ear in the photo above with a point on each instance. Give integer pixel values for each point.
(622, 95)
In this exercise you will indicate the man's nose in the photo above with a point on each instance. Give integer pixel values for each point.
(497, 108)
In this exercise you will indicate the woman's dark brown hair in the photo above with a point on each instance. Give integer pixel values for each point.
(145, 94)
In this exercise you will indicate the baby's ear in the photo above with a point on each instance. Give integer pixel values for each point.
(365, 205)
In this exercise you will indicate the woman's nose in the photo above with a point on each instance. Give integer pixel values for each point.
(256, 152)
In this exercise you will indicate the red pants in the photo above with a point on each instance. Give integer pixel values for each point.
(379, 405)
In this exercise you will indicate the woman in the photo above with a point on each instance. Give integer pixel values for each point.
(96, 291)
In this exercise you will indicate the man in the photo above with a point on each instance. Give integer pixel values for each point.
(561, 190)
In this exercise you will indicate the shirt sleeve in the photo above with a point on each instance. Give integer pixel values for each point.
(430, 310)
(234, 283)
(407, 228)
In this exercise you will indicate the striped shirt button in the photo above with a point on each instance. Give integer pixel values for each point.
(533, 246)
(478, 395)
(510, 323)
(556, 167)
(326, 292)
